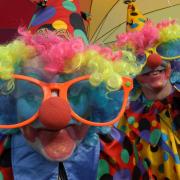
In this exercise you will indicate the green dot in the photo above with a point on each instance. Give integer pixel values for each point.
(135, 153)
(7, 144)
(149, 103)
(141, 19)
(131, 120)
(80, 33)
(161, 168)
(145, 164)
(1, 176)
(128, 83)
(125, 156)
(103, 168)
(69, 6)
(155, 136)
(123, 128)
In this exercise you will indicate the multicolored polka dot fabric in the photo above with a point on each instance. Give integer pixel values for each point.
(5, 158)
(60, 16)
(146, 144)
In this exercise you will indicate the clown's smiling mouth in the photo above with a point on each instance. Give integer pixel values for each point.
(55, 145)
(154, 73)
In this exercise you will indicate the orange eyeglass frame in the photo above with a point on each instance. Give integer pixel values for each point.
(63, 89)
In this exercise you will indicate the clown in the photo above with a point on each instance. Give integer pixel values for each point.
(57, 93)
(55, 106)
(147, 137)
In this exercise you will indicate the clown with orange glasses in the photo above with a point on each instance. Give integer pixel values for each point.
(56, 94)
(56, 99)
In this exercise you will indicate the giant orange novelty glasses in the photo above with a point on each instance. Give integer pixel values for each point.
(63, 88)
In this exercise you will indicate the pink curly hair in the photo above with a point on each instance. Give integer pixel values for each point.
(166, 23)
(53, 50)
(107, 52)
(139, 40)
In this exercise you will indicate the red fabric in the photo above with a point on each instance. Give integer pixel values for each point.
(13, 14)
(7, 173)
(61, 14)
(5, 167)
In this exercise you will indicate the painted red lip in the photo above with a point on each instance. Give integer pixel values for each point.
(55, 145)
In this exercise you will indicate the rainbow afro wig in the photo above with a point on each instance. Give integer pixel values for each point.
(57, 56)
(162, 39)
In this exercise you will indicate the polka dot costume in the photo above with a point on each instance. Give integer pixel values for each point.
(5, 158)
(62, 17)
(146, 143)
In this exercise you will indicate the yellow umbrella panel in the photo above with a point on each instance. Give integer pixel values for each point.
(108, 18)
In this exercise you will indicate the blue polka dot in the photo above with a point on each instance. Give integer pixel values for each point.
(176, 158)
(122, 174)
(134, 25)
(43, 16)
(118, 135)
(165, 156)
(164, 137)
(174, 127)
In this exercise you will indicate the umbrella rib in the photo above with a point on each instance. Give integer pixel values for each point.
(101, 23)
(162, 8)
(114, 28)
(110, 42)
(88, 27)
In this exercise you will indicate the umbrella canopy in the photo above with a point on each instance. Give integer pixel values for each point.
(108, 18)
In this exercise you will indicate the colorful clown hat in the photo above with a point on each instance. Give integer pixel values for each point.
(135, 19)
(136, 23)
(61, 16)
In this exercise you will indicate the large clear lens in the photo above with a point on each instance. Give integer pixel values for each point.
(21, 103)
(170, 49)
(95, 104)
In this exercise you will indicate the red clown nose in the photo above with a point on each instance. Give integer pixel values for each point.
(55, 113)
(154, 60)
